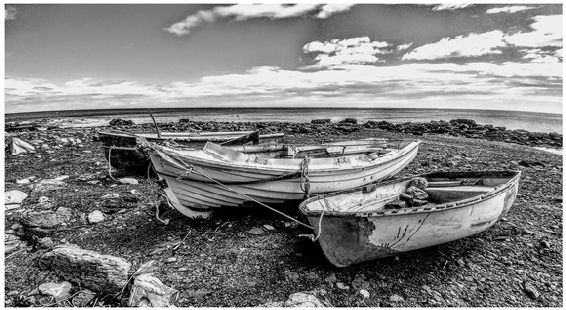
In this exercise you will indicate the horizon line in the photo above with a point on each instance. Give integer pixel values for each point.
(286, 108)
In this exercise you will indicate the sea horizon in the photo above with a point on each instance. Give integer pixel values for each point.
(257, 108)
(530, 121)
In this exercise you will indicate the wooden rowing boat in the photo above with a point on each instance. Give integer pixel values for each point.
(200, 180)
(124, 155)
(357, 226)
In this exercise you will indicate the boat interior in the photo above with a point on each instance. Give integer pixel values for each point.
(441, 189)
(370, 147)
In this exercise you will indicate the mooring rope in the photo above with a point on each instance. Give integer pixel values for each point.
(109, 165)
(156, 193)
(191, 168)
(311, 236)
(305, 180)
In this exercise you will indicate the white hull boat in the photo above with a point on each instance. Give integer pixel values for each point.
(357, 226)
(215, 176)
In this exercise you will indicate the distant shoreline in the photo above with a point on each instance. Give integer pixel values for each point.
(105, 112)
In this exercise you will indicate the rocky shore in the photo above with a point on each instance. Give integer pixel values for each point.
(251, 256)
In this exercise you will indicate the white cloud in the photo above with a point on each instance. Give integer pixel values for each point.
(460, 46)
(333, 8)
(244, 11)
(509, 9)
(10, 12)
(547, 31)
(403, 47)
(450, 6)
(367, 85)
(348, 51)
(538, 55)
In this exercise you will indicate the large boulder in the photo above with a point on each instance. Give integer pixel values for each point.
(45, 222)
(121, 122)
(90, 269)
(469, 122)
(348, 120)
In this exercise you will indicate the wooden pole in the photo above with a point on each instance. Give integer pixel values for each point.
(155, 123)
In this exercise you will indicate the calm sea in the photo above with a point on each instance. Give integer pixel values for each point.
(536, 122)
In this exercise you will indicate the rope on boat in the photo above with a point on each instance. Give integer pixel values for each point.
(311, 236)
(109, 165)
(305, 180)
(195, 169)
(155, 193)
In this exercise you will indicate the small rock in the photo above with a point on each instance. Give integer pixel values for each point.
(58, 290)
(11, 243)
(23, 181)
(48, 185)
(83, 298)
(45, 243)
(291, 275)
(149, 291)
(304, 300)
(13, 199)
(342, 286)
(255, 231)
(416, 193)
(95, 217)
(13, 293)
(418, 182)
(182, 269)
(460, 262)
(269, 227)
(396, 298)
(330, 279)
(531, 291)
(171, 260)
(364, 293)
(61, 178)
(130, 181)
(545, 244)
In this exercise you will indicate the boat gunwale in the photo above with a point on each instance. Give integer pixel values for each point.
(258, 168)
(414, 210)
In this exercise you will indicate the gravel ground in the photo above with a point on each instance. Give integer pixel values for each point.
(517, 263)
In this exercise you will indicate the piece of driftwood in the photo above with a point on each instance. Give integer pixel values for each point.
(149, 291)
(90, 269)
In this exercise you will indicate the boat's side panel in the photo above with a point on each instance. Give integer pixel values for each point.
(349, 239)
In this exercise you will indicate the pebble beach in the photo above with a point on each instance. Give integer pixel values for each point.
(248, 257)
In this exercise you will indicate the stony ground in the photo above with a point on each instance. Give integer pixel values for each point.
(516, 263)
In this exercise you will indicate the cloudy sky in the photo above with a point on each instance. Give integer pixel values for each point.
(504, 57)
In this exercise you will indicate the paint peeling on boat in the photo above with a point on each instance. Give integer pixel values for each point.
(350, 237)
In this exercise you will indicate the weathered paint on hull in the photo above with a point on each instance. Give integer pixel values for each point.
(351, 239)
(201, 195)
